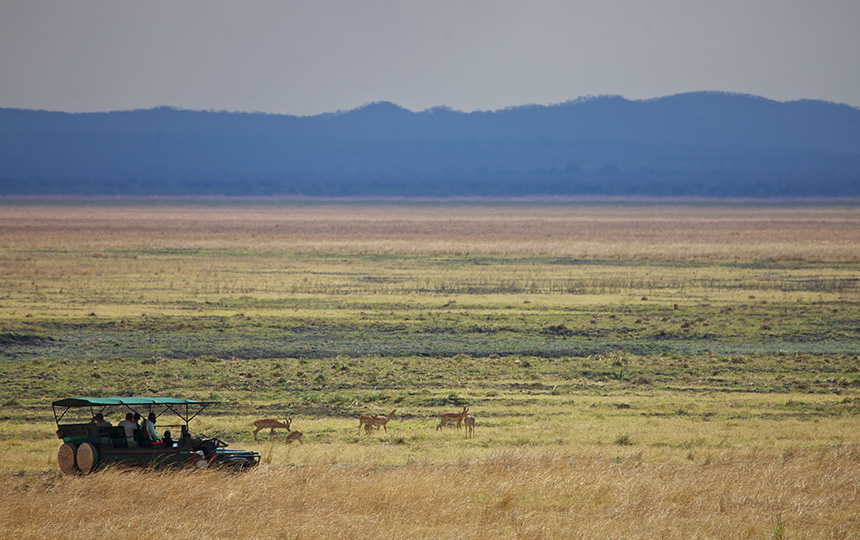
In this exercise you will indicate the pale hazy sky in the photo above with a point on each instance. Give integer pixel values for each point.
(313, 56)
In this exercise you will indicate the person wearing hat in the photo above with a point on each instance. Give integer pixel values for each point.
(100, 421)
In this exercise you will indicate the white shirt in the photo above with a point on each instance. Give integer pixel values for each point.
(129, 428)
(149, 430)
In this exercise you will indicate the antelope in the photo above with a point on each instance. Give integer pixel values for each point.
(295, 435)
(271, 424)
(370, 420)
(470, 425)
(446, 418)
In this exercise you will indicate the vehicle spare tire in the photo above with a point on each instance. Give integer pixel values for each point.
(88, 457)
(66, 458)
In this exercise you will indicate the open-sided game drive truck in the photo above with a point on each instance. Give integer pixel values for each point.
(87, 446)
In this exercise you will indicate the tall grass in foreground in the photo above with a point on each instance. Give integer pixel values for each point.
(510, 494)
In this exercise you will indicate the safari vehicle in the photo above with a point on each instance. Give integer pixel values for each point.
(88, 446)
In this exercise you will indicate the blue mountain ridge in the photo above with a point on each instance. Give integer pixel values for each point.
(697, 144)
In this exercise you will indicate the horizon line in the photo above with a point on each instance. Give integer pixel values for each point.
(444, 108)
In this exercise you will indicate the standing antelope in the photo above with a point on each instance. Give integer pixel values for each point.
(271, 424)
(446, 418)
(370, 420)
(470, 425)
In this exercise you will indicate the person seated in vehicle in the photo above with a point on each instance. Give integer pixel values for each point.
(149, 429)
(129, 426)
(184, 437)
(100, 422)
(168, 440)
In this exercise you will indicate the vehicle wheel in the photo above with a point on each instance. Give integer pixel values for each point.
(88, 457)
(196, 460)
(239, 464)
(66, 458)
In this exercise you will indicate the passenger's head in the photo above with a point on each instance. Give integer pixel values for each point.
(151, 417)
(167, 434)
(99, 417)
(129, 417)
(137, 417)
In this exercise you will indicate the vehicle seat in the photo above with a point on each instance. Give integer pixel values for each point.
(142, 441)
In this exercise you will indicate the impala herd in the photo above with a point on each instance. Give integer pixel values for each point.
(368, 422)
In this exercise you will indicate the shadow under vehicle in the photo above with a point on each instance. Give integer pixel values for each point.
(87, 446)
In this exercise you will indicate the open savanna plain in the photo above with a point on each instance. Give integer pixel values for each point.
(637, 370)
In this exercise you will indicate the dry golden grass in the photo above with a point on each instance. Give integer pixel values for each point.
(576, 230)
(511, 494)
(568, 475)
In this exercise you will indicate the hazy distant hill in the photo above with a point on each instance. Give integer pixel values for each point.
(701, 144)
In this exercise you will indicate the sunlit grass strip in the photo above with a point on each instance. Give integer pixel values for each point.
(579, 231)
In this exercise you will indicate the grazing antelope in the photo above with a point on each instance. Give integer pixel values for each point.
(470, 425)
(446, 418)
(370, 420)
(295, 435)
(271, 424)
(364, 421)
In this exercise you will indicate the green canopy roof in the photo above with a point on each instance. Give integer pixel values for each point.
(129, 401)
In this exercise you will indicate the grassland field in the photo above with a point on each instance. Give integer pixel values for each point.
(637, 370)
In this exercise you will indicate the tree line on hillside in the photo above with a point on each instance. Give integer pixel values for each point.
(705, 144)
